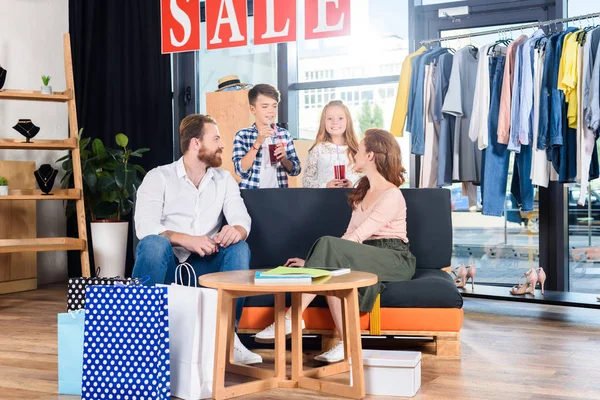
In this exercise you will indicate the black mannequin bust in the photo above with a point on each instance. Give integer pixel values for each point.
(45, 176)
(26, 128)
(3, 73)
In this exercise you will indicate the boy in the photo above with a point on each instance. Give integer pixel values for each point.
(251, 158)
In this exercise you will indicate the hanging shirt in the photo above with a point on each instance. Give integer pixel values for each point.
(459, 102)
(545, 106)
(447, 121)
(417, 128)
(507, 88)
(515, 111)
(540, 166)
(401, 107)
(569, 75)
(478, 130)
(593, 115)
(432, 130)
(526, 100)
(414, 77)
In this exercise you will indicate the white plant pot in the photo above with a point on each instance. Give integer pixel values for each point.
(109, 241)
(3, 190)
(46, 89)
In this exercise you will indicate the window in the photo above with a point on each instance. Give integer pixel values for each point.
(252, 64)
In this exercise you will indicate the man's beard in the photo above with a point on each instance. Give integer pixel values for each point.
(213, 160)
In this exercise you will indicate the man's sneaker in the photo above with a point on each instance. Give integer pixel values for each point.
(267, 335)
(241, 355)
(334, 355)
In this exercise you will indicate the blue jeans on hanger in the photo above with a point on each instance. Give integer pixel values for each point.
(497, 155)
(155, 258)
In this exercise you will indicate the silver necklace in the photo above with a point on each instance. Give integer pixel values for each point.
(46, 179)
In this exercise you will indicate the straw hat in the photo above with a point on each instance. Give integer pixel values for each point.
(229, 81)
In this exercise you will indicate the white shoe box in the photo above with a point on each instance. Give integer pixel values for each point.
(392, 373)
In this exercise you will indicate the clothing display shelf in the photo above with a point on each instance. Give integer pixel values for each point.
(550, 23)
(71, 144)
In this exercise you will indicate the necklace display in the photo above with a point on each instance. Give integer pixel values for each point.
(45, 176)
(27, 128)
(3, 73)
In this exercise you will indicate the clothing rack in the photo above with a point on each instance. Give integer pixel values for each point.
(514, 28)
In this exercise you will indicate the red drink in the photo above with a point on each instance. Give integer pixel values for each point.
(272, 157)
(339, 171)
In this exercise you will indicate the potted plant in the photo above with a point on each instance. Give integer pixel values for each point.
(3, 186)
(45, 88)
(110, 180)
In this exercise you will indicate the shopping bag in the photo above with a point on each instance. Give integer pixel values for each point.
(70, 352)
(76, 292)
(126, 343)
(192, 325)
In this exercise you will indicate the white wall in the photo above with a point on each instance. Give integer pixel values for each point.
(31, 45)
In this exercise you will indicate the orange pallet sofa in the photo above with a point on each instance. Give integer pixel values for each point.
(286, 222)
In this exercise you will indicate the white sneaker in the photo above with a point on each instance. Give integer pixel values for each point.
(334, 355)
(267, 335)
(241, 355)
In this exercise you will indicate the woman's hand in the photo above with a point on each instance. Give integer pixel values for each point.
(294, 262)
(336, 183)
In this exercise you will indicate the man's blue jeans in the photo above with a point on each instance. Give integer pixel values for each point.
(155, 259)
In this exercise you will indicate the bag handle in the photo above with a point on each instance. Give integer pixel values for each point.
(187, 267)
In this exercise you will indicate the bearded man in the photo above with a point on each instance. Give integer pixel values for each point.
(179, 216)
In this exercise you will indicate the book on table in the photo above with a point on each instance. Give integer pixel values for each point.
(295, 276)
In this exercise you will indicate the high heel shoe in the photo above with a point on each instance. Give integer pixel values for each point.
(460, 276)
(531, 279)
(541, 277)
(471, 274)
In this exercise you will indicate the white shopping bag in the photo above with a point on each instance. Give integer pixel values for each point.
(192, 325)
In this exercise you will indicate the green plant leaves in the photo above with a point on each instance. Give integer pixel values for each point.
(109, 179)
(122, 140)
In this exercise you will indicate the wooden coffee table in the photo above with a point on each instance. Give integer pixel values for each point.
(232, 285)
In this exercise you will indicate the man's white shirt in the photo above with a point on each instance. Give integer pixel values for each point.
(167, 200)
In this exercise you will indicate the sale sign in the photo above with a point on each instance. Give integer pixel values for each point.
(226, 23)
(326, 18)
(180, 25)
(274, 21)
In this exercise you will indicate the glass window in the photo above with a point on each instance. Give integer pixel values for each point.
(379, 39)
(252, 64)
(502, 248)
(584, 220)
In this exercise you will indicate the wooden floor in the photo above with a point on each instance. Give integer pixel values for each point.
(510, 351)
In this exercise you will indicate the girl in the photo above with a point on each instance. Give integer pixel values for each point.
(376, 239)
(336, 144)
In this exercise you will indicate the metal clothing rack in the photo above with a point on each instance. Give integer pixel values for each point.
(513, 28)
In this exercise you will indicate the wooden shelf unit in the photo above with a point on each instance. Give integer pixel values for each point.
(38, 144)
(76, 193)
(40, 244)
(35, 95)
(36, 194)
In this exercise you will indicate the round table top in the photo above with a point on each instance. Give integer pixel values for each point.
(244, 281)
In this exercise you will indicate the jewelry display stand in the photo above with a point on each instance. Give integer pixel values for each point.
(45, 177)
(26, 128)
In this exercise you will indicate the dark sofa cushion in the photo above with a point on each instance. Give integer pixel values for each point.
(428, 289)
(286, 222)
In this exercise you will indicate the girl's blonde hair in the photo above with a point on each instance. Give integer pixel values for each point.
(349, 134)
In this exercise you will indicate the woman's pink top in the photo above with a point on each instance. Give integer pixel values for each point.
(385, 219)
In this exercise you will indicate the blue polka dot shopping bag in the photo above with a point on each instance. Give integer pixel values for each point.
(126, 343)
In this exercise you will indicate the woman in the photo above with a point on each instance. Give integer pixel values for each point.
(375, 240)
(336, 144)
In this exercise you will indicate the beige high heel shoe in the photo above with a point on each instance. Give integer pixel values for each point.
(541, 277)
(460, 276)
(471, 274)
(531, 280)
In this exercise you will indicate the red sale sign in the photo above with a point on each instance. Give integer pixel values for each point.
(326, 18)
(226, 24)
(274, 21)
(180, 25)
